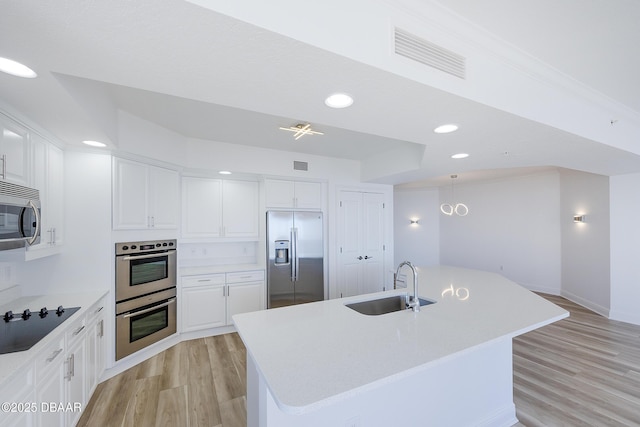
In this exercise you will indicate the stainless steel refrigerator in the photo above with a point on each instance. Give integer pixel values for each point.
(295, 254)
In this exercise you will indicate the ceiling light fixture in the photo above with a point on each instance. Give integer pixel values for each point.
(17, 69)
(446, 128)
(449, 209)
(95, 143)
(301, 130)
(339, 100)
(225, 172)
(460, 156)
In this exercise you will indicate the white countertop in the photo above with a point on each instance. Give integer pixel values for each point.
(13, 362)
(312, 355)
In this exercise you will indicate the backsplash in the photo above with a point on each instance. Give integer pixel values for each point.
(216, 254)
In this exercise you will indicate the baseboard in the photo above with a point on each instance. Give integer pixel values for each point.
(620, 316)
(603, 311)
(504, 417)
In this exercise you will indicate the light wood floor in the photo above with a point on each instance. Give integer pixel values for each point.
(581, 371)
(195, 383)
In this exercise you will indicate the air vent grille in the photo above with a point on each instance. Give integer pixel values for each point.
(427, 53)
(300, 166)
(14, 190)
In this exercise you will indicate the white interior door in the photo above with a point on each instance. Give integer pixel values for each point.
(360, 243)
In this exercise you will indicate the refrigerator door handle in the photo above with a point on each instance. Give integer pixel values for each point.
(294, 264)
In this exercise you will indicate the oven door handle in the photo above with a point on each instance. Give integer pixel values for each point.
(155, 307)
(154, 255)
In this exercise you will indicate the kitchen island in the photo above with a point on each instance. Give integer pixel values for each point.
(324, 364)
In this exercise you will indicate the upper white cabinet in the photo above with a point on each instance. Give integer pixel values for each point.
(293, 194)
(14, 152)
(219, 208)
(48, 178)
(144, 196)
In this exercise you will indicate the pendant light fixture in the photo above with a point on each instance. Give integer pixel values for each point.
(449, 209)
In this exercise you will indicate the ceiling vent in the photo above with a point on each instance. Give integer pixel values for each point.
(427, 53)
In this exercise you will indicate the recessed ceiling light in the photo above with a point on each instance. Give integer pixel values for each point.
(460, 156)
(224, 173)
(17, 69)
(446, 128)
(339, 100)
(95, 143)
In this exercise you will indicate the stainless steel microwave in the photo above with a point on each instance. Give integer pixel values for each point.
(19, 216)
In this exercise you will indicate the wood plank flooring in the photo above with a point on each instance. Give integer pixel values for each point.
(580, 371)
(195, 383)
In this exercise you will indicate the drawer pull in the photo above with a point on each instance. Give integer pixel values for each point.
(76, 332)
(54, 355)
(98, 310)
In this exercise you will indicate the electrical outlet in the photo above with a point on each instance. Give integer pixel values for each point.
(352, 422)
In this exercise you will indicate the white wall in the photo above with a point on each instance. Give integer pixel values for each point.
(418, 243)
(86, 261)
(512, 228)
(585, 246)
(625, 252)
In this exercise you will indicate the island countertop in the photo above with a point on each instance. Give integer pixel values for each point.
(313, 355)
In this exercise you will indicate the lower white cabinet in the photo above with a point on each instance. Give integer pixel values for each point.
(51, 368)
(210, 301)
(19, 394)
(95, 347)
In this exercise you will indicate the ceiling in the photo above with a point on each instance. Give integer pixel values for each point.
(208, 76)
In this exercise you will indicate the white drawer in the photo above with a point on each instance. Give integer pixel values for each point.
(204, 280)
(96, 310)
(21, 383)
(76, 330)
(51, 356)
(245, 276)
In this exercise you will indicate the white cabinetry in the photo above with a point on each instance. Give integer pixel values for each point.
(14, 152)
(293, 194)
(144, 196)
(76, 357)
(219, 208)
(360, 243)
(203, 302)
(210, 301)
(245, 292)
(48, 178)
(96, 346)
(19, 393)
(51, 367)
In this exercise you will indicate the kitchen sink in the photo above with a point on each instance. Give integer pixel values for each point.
(385, 305)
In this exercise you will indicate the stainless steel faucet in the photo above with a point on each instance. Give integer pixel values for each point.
(412, 302)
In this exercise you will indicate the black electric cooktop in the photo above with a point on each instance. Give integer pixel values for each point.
(21, 331)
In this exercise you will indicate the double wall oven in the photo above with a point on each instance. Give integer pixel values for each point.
(145, 294)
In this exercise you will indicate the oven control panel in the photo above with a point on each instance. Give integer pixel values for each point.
(145, 246)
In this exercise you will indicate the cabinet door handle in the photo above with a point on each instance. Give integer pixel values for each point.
(101, 333)
(54, 355)
(359, 258)
(3, 158)
(70, 367)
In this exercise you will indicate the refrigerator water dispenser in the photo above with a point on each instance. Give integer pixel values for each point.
(282, 252)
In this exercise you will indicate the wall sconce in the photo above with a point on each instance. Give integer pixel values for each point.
(578, 218)
(413, 221)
